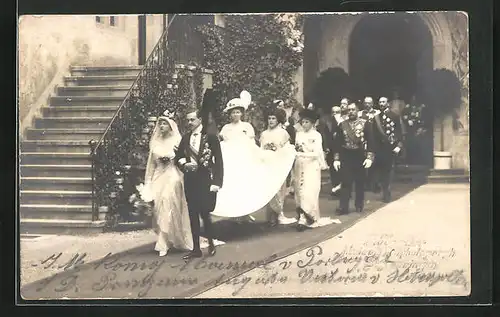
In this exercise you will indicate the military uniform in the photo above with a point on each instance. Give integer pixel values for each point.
(414, 119)
(388, 134)
(354, 145)
(335, 133)
(369, 115)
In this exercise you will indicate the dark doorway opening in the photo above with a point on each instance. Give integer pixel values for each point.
(387, 51)
(392, 51)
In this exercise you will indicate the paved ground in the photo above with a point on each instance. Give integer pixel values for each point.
(426, 232)
(140, 273)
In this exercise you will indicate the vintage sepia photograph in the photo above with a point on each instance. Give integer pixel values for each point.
(256, 155)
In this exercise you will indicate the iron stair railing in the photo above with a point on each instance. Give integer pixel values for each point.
(164, 82)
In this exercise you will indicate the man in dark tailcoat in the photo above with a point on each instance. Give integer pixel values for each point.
(368, 113)
(335, 133)
(199, 157)
(354, 154)
(388, 136)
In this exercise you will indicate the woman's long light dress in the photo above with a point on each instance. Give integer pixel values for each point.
(252, 176)
(171, 216)
(307, 173)
(279, 138)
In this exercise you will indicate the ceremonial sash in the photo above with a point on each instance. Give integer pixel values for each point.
(381, 129)
(193, 153)
(350, 132)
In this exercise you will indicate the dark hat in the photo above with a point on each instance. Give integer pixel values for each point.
(279, 113)
(209, 104)
(309, 114)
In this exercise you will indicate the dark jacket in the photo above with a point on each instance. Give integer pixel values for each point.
(346, 139)
(387, 141)
(210, 171)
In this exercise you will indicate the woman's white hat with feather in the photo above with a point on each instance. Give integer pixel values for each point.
(242, 102)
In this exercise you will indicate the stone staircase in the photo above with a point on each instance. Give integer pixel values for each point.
(450, 176)
(55, 165)
(422, 174)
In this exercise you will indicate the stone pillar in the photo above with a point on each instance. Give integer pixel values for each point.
(443, 129)
(154, 29)
(299, 83)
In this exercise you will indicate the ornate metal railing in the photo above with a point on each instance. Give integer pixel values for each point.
(170, 79)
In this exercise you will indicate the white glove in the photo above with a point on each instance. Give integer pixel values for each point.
(336, 165)
(396, 149)
(214, 188)
(367, 163)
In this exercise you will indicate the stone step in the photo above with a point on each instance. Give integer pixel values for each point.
(72, 122)
(451, 171)
(56, 183)
(79, 111)
(58, 170)
(131, 70)
(60, 226)
(448, 179)
(82, 158)
(94, 91)
(64, 134)
(62, 198)
(55, 146)
(411, 169)
(110, 80)
(69, 101)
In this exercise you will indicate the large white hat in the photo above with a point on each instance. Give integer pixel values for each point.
(242, 102)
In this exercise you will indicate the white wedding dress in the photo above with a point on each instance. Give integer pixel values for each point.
(252, 176)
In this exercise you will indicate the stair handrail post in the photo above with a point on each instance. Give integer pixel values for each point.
(93, 157)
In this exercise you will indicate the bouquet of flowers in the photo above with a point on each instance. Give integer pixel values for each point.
(165, 159)
(299, 147)
(270, 146)
(141, 201)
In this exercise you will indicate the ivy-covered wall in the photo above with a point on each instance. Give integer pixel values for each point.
(258, 53)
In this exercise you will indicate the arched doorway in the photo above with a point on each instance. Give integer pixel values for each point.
(394, 51)
(387, 51)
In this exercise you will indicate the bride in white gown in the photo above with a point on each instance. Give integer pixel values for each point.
(252, 176)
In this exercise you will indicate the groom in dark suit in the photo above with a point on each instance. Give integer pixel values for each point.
(199, 157)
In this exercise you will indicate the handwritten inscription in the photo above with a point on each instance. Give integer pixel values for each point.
(374, 262)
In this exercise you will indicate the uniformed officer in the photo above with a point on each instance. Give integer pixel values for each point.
(353, 155)
(368, 113)
(388, 138)
(344, 102)
(335, 129)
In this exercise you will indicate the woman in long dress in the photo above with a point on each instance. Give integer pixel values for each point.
(166, 185)
(309, 162)
(273, 139)
(252, 176)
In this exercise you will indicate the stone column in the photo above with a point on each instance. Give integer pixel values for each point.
(443, 129)
(299, 83)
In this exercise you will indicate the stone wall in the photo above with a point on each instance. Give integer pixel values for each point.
(48, 45)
